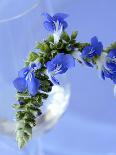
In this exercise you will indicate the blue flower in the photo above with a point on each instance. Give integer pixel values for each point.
(89, 52)
(59, 65)
(109, 67)
(26, 79)
(56, 22)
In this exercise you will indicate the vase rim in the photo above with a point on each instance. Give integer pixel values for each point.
(17, 11)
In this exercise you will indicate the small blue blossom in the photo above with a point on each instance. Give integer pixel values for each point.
(109, 67)
(89, 52)
(56, 24)
(26, 79)
(59, 65)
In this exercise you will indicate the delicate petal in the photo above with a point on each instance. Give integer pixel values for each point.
(50, 65)
(62, 70)
(92, 53)
(85, 51)
(23, 72)
(94, 41)
(33, 85)
(112, 53)
(64, 25)
(102, 75)
(69, 60)
(49, 26)
(88, 64)
(60, 16)
(99, 48)
(111, 66)
(58, 59)
(20, 84)
(47, 16)
(107, 73)
(54, 80)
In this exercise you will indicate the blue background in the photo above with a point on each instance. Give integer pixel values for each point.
(89, 125)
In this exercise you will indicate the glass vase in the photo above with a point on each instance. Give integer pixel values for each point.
(20, 27)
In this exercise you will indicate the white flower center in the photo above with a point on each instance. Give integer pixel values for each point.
(57, 70)
(58, 31)
(92, 51)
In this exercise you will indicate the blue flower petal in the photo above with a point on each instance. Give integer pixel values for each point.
(107, 73)
(85, 52)
(33, 85)
(111, 66)
(62, 70)
(23, 72)
(99, 48)
(60, 16)
(47, 16)
(102, 75)
(50, 66)
(69, 60)
(54, 80)
(88, 64)
(49, 26)
(20, 84)
(94, 41)
(65, 25)
(112, 53)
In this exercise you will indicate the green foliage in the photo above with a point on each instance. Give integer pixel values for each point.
(32, 56)
(65, 37)
(50, 39)
(74, 35)
(43, 47)
(29, 108)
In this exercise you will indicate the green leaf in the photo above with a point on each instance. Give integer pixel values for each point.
(65, 36)
(43, 47)
(27, 63)
(32, 56)
(51, 38)
(74, 35)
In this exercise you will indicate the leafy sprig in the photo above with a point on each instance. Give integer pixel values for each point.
(29, 107)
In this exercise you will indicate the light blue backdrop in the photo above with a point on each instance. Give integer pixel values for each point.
(89, 125)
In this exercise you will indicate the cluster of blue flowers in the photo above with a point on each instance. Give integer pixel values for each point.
(58, 65)
(108, 69)
(56, 56)
(62, 62)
